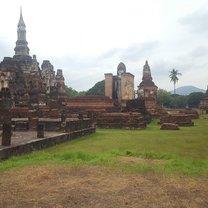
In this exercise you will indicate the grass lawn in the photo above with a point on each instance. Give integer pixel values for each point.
(183, 152)
(113, 168)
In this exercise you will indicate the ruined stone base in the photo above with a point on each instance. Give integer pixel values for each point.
(169, 126)
(121, 120)
(37, 144)
(193, 114)
(179, 119)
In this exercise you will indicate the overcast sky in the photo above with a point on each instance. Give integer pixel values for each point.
(87, 38)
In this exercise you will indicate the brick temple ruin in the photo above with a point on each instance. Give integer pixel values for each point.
(28, 84)
(31, 96)
(118, 108)
(120, 87)
(147, 89)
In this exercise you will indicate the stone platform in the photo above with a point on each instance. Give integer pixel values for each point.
(121, 120)
(25, 142)
(179, 119)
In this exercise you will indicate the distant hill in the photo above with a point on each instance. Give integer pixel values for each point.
(186, 90)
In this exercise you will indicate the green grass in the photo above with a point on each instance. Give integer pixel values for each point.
(180, 152)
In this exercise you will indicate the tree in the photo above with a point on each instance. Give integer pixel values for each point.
(178, 101)
(70, 92)
(173, 77)
(164, 97)
(194, 99)
(97, 89)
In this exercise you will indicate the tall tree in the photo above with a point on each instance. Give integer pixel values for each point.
(174, 77)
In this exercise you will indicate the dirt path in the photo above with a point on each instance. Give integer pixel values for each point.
(89, 187)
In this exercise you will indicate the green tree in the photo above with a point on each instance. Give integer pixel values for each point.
(70, 92)
(178, 101)
(174, 77)
(97, 89)
(164, 97)
(194, 99)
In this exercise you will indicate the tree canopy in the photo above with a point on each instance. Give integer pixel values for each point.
(194, 99)
(70, 92)
(97, 89)
(168, 100)
(163, 97)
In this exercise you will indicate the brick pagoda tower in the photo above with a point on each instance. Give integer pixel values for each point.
(147, 89)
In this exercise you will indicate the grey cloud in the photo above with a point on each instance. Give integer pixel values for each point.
(161, 67)
(74, 62)
(199, 52)
(193, 60)
(110, 53)
(81, 73)
(139, 50)
(197, 22)
(131, 53)
(92, 68)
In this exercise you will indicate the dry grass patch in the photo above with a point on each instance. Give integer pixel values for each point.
(62, 186)
(137, 160)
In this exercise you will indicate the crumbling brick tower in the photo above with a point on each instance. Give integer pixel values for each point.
(148, 90)
(120, 87)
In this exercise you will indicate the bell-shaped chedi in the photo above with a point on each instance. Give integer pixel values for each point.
(147, 89)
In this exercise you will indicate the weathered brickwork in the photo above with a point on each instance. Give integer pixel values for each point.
(147, 90)
(120, 87)
(21, 76)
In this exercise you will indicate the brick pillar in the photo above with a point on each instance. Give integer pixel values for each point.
(40, 131)
(6, 134)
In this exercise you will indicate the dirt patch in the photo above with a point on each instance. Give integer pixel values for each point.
(88, 187)
(138, 160)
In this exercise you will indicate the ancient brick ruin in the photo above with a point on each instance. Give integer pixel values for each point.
(120, 87)
(147, 90)
(111, 111)
(169, 126)
(128, 112)
(192, 113)
(179, 119)
(90, 104)
(28, 84)
(121, 120)
(32, 97)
